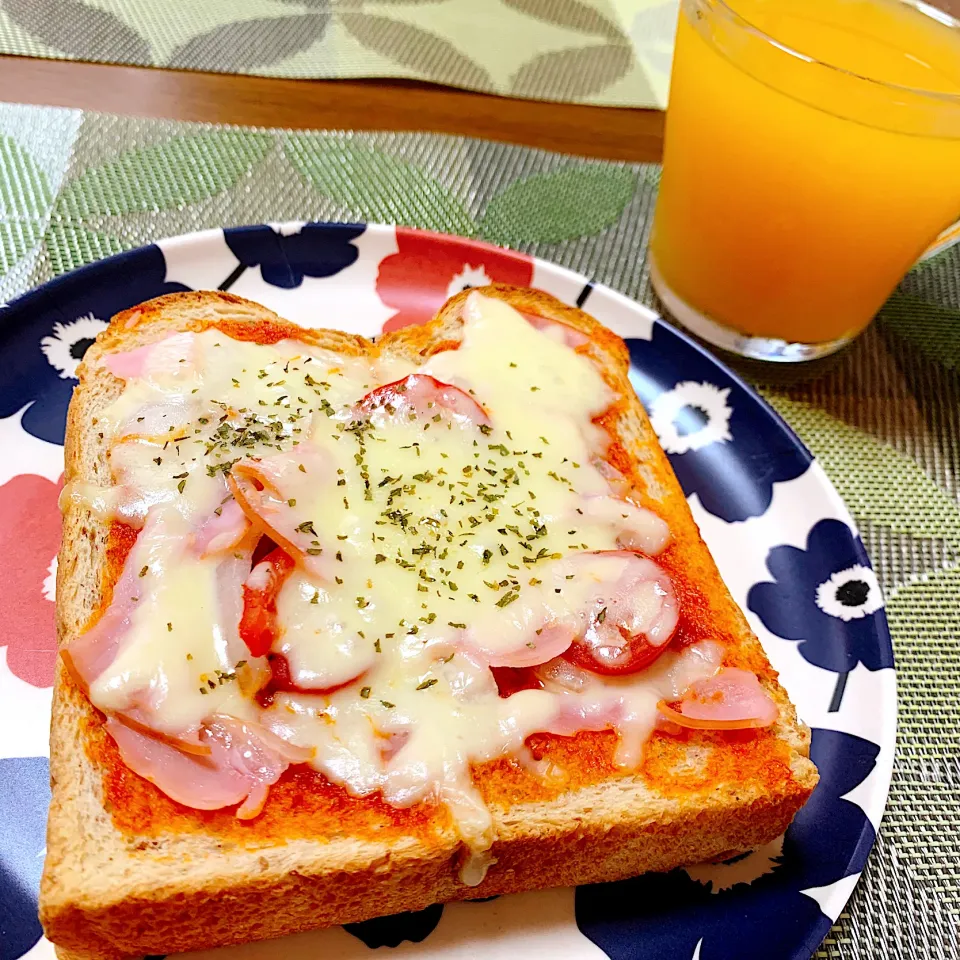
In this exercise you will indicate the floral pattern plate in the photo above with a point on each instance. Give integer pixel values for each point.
(784, 542)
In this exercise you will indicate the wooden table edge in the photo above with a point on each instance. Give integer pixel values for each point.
(613, 133)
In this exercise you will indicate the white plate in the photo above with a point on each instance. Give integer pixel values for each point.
(784, 542)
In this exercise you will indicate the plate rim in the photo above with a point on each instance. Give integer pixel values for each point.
(879, 794)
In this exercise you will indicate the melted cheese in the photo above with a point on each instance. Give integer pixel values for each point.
(438, 547)
(224, 399)
(179, 635)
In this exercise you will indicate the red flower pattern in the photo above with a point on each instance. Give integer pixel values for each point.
(29, 540)
(430, 267)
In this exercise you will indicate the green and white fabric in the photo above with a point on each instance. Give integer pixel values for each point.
(591, 51)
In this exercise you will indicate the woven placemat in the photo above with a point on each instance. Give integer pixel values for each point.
(884, 419)
(614, 52)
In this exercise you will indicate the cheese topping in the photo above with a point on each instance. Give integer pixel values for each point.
(179, 598)
(435, 523)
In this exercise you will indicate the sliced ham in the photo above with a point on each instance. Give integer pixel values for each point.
(638, 529)
(391, 744)
(245, 759)
(88, 655)
(128, 365)
(139, 721)
(222, 532)
(732, 699)
(171, 354)
(253, 755)
(91, 654)
(551, 641)
(561, 332)
(159, 421)
(629, 705)
(191, 780)
(561, 676)
(625, 616)
(619, 485)
(421, 396)
(264, 490)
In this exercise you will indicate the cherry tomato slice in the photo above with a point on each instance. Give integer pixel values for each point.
(512, 680)
(632, 628)
(633, 655)
(258, 623)
(424, 396)
(281, 679)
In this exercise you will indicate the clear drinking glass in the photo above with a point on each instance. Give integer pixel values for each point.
(812, 153)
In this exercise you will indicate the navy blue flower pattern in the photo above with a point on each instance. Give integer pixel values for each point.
(827, 598)
(24, 798)
(392, 931)
(285, 258)
(724, 443)
(666, 917)
(45, 333)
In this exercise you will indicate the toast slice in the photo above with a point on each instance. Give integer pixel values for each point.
(130, 872)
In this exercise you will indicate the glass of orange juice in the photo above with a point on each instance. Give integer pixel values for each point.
(811, 154)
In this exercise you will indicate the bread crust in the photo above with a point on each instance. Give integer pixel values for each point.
(109, 892)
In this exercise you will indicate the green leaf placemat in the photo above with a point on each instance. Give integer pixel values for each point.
(884, 420)
(614, 52)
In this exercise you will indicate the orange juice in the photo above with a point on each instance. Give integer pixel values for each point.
(794, 194)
